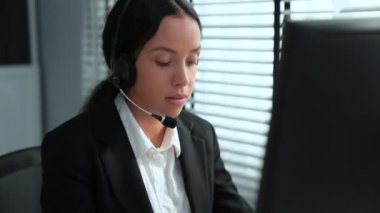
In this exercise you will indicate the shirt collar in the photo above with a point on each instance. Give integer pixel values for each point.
(140, 143)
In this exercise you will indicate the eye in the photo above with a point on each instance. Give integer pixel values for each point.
(192, 62)
(162, 63)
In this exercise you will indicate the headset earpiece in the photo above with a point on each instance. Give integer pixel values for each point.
(122, 72)
(123, 69)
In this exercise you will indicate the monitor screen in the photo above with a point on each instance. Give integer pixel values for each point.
(323, 153)
(14, 36)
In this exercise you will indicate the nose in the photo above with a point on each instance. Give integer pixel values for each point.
(181, 75)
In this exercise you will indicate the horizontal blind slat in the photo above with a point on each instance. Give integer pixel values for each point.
(253, 143)
(234, 14)
(232, 106)
(226, 150)
(226, 126)
(239, 61)
(232, 49)
(219, 2)
(254, 84)
(242, 148)
(221, 25)
(361, 9)
(242, 37)
(236, 72)
(227, 95)
(240, 118)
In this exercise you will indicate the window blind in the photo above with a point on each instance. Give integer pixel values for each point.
(94, 68)
(234, 83)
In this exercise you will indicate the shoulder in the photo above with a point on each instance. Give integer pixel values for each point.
(74, 134)
(199, 126)
(189, 116)
(78, 124)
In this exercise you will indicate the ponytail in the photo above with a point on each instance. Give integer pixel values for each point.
(102, 93)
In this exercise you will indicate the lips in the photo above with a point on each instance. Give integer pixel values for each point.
(177, 99)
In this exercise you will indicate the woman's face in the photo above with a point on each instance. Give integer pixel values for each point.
(166, 66)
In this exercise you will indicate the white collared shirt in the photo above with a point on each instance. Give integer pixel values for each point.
(159, 167)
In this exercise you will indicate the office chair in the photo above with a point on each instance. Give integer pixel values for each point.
(323, 152)
(20, 181)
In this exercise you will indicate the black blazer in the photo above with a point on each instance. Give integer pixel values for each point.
(89, 166)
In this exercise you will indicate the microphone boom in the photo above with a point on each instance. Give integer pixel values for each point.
(165, 120)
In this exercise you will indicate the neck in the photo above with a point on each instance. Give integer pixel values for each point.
(152, 128)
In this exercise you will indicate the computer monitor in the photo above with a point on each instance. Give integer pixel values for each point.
(323, 153)
(15, 48)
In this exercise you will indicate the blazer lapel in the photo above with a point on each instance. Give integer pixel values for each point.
(194, 168)
(119, 161)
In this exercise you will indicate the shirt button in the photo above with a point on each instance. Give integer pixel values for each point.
(152, 153)
(156, 156)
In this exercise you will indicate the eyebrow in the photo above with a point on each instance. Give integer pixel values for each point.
(166, 49)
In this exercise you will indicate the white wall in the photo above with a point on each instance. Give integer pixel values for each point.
(20, 98)
(60, 23)
(37, 98)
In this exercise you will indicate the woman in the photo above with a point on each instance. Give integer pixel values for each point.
(118, 157)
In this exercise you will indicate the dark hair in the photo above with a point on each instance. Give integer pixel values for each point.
(138, 25)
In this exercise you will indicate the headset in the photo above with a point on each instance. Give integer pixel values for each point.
(123, 72)
(122, 65)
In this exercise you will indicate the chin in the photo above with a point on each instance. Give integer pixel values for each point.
(174, 113)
